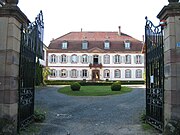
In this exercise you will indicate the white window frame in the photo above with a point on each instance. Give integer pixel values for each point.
(117, 73)
(73, 73)
(84, 58)
(63, 73)
(84, 45)
(106, 73)
(63, 58)
(106, 45)
(127, 73)
(106, 59)
(138, 59)
(53, 73)
(138, 73)
(53, 58)
(117, 59)
(127, 59)
(84, 73)
(64, 45)
(74, 58)
(127, 45)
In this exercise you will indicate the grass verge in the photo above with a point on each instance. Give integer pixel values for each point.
(93, 91)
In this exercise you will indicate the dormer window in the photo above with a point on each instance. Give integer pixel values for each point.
(84, 45)
(64, 45)
(106, 45)
(127, 44)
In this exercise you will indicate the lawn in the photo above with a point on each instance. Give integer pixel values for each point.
(93, 91)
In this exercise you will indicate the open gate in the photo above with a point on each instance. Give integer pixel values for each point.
(154, 75)
(31, 48)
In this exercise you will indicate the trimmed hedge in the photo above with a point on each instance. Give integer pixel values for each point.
(86, 83)
(116, 86)
(75, 86)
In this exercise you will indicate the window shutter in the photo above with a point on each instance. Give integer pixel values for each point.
(135, 59)
(56, 73)
(90, 59)
(87, 73)
(49, 58)
(120, 57)
(66, 58)
(56, 59)
(60, 59)
(77, 57)
(77, 73)
(81, 75)
(141, 59)
(81, 59)
(66, 73)
(113, 58)
(99, 60)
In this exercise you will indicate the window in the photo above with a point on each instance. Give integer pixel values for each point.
(85, 59)
(106, 59)
(127, 44)
(127, 73)
(95, 59)
(53, 58)
(63, 58)
(63, 73)
(84, 45)
(64, 45)
(117, 73)
(106, 45)
(74, 73)
(117, 59)
(84, 73)
(138, 73)
(53, 73)
(74, 59)
(106, 73)
(128, 59)
(138, 59)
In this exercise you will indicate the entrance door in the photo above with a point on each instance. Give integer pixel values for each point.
(95, 75)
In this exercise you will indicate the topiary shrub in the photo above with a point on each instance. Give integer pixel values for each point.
(116, 86)
(39, 115)
(75, 86)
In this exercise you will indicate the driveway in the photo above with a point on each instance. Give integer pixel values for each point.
(107, 115)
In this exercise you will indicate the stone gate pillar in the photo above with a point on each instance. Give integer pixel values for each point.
(171, 15)
(11, 19)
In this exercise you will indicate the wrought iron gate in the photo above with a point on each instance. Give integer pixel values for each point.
(154, 75)
(31, 48)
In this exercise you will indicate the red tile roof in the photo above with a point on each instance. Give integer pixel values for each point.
(96, 39)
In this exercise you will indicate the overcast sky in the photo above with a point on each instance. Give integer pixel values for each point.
(64, 16)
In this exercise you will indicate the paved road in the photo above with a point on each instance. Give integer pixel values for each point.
(108, 115)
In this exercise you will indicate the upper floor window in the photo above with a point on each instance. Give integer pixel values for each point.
(106, 45)
(138, 73)
(117, 73)
(63, 73)
(63, 58)
(106, 73)
(53, 58)
(106, 59)
(74, 58)
(84, 58)
(84, 73)
(127, 44)
(138, 59)
(64, 45)
(84, 45)
(127, 73)
(128, 59)
(117, 59)
(74, 73)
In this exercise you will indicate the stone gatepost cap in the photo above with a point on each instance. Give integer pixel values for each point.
(12, 2)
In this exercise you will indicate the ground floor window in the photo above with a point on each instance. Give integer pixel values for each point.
(117, 73)
(138, 73)
(106, 73)
(53, 73)
(127, 73)
(74, 73)
(63, 73)
(84, 73)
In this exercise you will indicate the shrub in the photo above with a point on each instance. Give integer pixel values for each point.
(39, 115)
(75, 86)
(116, 86)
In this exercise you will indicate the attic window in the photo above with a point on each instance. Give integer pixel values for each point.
(64, 45)
(106, 45)
(84, 45)
(127, 44)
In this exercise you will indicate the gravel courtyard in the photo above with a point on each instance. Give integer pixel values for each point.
(107, 115)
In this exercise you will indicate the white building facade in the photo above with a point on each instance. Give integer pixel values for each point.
(85, 56)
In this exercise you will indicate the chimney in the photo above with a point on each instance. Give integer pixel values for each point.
(119, 32)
